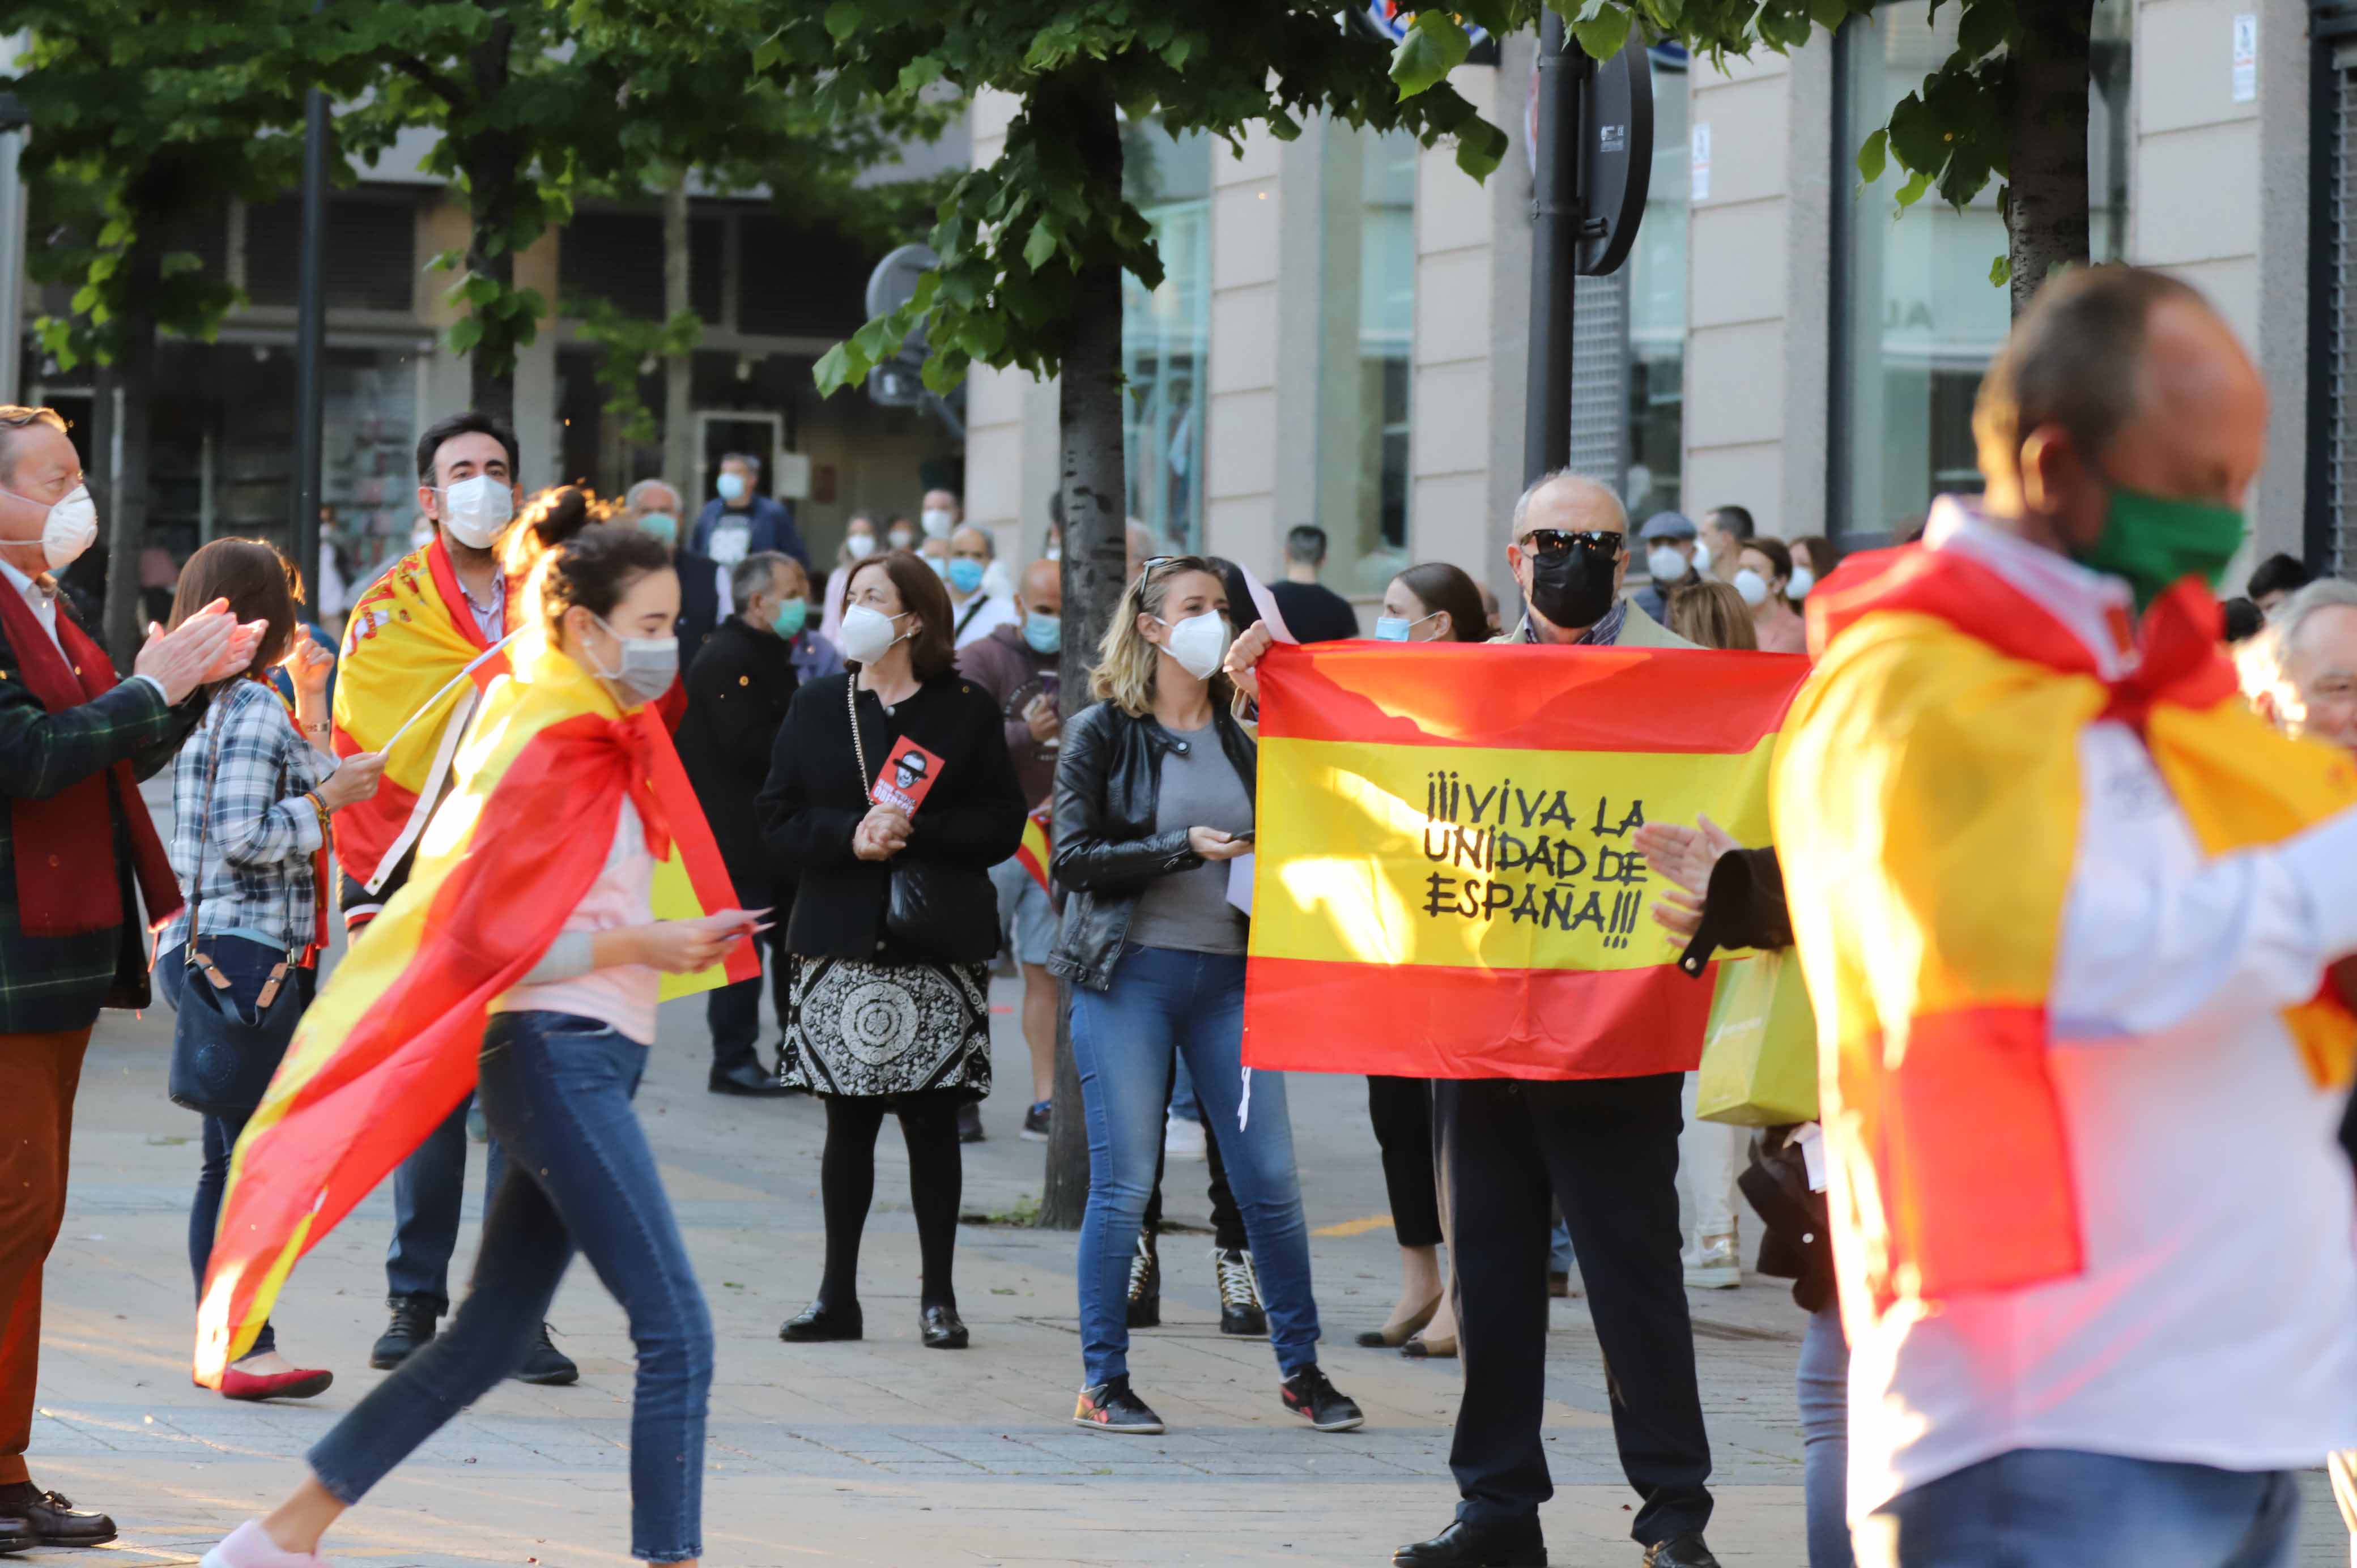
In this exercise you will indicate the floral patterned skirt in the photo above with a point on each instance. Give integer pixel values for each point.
(880, 1029)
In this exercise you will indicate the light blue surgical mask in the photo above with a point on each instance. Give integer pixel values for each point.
(1044, 632)
(965, 574)
(732, 487)
(792, 614)
(662, 525)
(1399, 629)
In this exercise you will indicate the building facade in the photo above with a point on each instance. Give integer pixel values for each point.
(773, 295)
(1343, 335)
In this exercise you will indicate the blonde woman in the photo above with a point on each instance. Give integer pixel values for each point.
(1153, 796)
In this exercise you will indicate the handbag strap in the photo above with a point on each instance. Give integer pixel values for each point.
(858, 748)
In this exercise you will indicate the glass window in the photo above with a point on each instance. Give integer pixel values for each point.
(1166, 333)
(1921, 319)
(1365, 363)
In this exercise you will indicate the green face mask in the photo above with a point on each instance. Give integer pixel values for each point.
(2154, 542)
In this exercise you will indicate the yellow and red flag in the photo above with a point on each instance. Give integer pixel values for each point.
(1035, 852)
(389, 1048)
(410, 637)
(1446, 885)
(1927, 808)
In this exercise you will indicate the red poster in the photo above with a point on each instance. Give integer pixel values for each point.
(909, 773)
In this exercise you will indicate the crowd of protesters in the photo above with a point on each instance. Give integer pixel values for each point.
(2058, 1363)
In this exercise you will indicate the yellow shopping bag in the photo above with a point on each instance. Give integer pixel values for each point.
(1760, 1052)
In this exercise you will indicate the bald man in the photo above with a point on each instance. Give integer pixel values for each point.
(1016, 663)
(2000, 804)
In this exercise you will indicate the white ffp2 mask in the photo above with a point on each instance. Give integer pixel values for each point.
(70, 527)
(1198, 643)
(476, 512)
(865, 635)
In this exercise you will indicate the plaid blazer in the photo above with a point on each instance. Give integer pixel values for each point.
(49, 983)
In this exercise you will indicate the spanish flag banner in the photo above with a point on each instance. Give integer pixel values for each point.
(388, 1050)
(410, 638)
(1446, 885)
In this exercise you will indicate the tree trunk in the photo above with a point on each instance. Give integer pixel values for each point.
(134, 373)
(1096, 544)
(492, 160)
(2046, 218)
(679, 369)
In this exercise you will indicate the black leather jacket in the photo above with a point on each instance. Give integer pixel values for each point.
(1106, 846)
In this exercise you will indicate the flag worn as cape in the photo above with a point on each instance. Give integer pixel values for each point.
(1927, 811)
(1444, 885)
(409, 637)
(388, 1050)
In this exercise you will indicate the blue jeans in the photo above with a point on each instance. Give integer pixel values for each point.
(557, 1089)
(1165, 1006)
(2054, 1508)
(1823, 1383)
(246, 961)
(221, 1134)
(1183, 1104)
(429, 1189)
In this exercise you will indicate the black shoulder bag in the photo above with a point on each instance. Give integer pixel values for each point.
(935, 910)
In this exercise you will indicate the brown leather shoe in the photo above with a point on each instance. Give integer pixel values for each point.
(57, 1522)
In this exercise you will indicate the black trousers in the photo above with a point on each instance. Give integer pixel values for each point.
(1609, 1149)
(1401, 1109)
(735, 1011)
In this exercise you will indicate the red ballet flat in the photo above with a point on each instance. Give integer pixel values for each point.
(297, 1384)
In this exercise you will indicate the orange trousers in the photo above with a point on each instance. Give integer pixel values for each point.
(36, 1143)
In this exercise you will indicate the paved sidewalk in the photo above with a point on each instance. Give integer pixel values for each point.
(874, 1453)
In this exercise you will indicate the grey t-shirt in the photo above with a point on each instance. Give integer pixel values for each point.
(1189, 910)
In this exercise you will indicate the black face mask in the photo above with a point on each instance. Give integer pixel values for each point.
(1576, 591)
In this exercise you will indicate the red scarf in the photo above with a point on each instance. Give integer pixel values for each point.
(63, 843)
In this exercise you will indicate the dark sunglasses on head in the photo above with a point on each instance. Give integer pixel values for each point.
(1552, 544)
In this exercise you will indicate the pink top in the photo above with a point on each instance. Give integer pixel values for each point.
(622, 895)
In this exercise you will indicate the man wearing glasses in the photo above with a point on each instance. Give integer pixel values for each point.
(1607, 1148)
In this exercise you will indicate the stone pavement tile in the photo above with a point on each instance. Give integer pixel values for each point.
(875, 1453)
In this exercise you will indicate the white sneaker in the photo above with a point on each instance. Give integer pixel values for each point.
(249, 1546)
(1182, 1139)
(1712, 1263)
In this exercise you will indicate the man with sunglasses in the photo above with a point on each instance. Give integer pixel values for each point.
(1607, 1148)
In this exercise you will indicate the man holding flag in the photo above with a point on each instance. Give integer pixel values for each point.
(423, 644)
(2067, 909)
(1017, 664)
(1584, 1109)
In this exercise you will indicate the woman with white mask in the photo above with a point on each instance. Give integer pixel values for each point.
(1763, 576)
(1154, 797)
(891, 797)
(861, 539)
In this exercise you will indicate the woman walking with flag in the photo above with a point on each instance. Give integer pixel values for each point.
(510, 945)
(1154, 792)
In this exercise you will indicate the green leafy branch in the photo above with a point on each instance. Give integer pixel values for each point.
(632, 348)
